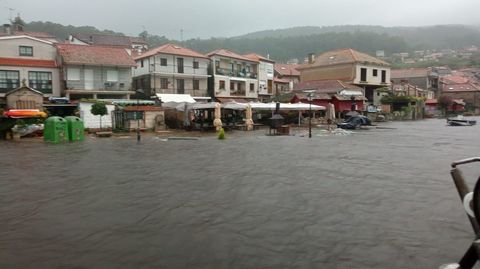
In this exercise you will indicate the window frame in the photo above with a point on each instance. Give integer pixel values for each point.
(375, 72)
(221, 84)
(196, 84)
(163, 61)
(39, 82)
(10, 81)
(20, 53)
(196, 65)
(163, 83)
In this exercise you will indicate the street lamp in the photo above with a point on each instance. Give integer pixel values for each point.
(139, 91)
(310, 95)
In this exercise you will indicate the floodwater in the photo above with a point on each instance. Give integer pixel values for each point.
(381, 198)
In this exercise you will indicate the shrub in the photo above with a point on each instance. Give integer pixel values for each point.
(221, 134)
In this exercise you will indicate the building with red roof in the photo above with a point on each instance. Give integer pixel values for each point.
(29, 61)
(350, 66)
(265, 76)
(340, 93)
(95, 71)
(134, 45)
(234, 75)
(172, 69)
(286, 72)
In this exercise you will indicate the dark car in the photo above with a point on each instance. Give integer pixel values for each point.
(355, 122)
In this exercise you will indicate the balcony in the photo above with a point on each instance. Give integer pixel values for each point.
(234, 73)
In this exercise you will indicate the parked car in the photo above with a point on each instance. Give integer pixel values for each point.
(355, 122)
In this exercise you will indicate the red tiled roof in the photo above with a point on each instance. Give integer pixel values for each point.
(229, 54)
(94, 55)
(464, 87)
(287, 69)
(27, 62)
(409, 73)
(344, 56)
(451, 79)
(325, 86)
(280, 80)
(258, 58)
(171, 49)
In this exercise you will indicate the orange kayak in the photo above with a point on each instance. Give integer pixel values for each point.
(25, 113)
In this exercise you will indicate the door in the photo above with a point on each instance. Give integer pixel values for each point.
(180, 86)
(179, 65)
(88, 79)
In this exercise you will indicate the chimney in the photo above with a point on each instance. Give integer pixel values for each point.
(7, 29)
(311, 58)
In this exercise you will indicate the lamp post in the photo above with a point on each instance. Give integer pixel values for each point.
(310, 96)
(139, 91)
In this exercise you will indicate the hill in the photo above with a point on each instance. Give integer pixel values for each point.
(297, 42)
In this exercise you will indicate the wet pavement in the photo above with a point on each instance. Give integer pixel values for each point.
(380, 198)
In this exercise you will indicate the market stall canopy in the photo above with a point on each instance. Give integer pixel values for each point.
(285, 106)
(176, 98)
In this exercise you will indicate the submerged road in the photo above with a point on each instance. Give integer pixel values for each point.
(381, 198)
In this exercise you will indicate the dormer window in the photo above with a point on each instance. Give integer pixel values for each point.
(26, 51)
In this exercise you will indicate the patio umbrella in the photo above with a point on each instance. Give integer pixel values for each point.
(218, 114)
(330, 114)
(248, 115)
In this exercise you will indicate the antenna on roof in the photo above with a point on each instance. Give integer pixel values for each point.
(11, 13)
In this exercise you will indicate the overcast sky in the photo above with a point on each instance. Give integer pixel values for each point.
(225, 18)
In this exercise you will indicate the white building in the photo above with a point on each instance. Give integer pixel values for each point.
(172, 69)
(28, 59)
(234, 76)
(265, 76)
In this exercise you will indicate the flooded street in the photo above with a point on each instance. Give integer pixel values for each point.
(381, 198)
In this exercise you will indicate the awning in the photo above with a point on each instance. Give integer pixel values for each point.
(229, 99)
(177, 98)
(351, 93)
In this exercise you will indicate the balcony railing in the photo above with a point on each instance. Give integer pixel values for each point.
(235, 73)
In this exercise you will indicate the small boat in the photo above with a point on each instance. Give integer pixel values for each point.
(25, 113)
(460, 121)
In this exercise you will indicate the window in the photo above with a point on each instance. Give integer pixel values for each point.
(40, 81)
(164, 83)
(195, 65)
(163, 61)
(363, 74)
(196, 84)
(384, 76)
(180, 86)
(232, 85)
(134, 115)
(26, 51)
(375, 72)
(9, 80)
(112, 75)
(217, 64)
(141, 63)
(252, 87)
(222, 85)
(73, 73)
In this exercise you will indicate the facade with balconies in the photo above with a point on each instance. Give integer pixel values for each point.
(265, 76)
(171, 69)
(233, 76)
(96, 72)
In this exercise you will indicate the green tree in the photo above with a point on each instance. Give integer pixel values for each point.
(99, 109)
(444, 102)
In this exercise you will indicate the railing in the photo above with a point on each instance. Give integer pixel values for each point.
(234, 73)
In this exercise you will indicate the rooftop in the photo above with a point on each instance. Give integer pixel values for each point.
(325, 86)
(230, 54)
(109, 40)
(344, 56)
(27, 62)
(409, 73)
(171, 49)
(287, 69)
(258, 58)
(94, 55)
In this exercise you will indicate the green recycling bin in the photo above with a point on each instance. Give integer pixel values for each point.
(55, 130)
(76, 130)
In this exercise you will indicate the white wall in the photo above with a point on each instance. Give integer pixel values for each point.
(372, 80)
(92, 121)
(152, 64)
(23, 72)
(226, 92)
(9, 48)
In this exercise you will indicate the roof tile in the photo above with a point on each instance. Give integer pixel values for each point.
(94, 55)
(171, 49)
